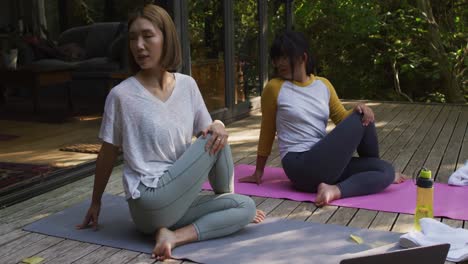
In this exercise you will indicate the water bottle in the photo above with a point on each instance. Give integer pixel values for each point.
(425, 197)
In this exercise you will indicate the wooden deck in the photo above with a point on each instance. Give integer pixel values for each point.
(410, 136)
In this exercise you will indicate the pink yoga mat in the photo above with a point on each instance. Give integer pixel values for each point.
(449, 201)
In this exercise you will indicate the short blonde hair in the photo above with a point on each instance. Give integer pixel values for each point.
(171, 53)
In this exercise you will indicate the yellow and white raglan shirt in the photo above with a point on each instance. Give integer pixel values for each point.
(298, 113)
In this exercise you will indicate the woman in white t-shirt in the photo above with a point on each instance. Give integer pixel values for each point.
(153, 116)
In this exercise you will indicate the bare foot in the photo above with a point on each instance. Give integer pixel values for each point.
(326, 194)
(399, 177)
(259, 217)
(165, 241)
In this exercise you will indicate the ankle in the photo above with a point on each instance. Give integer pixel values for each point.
(337, 191)
(185, 235)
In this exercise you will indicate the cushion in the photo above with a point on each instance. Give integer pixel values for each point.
(51, 65)
(74, 35)
(97, 64)
(99, 38)
(72, 51)
(43, 49)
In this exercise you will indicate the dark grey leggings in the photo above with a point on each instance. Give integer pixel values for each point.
(331, 161)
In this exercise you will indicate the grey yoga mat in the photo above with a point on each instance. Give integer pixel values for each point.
(273, 241)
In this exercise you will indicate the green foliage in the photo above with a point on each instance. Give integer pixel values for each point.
(206, 29)
(246, 33)
(357, 42)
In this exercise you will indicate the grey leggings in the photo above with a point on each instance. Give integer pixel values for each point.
(176, 201)
(331, 161)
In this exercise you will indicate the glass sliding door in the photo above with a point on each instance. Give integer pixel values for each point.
(206, 34)
(276, 24)
(246, 34)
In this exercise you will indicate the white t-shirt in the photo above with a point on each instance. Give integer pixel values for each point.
(302, 116)
(153, 134)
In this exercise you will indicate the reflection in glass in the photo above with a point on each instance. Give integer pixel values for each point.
(246, 76)
(207, 50)
(276, 23)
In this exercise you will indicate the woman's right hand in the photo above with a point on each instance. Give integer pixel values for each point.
(91, 218)
(256, 177)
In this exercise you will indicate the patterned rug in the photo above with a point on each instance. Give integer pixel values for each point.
(15, 175)
(5, 137)
(83, 148)
(93, 147)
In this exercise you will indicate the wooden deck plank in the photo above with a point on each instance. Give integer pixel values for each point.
(463, 157)
(383, 221)
(405, 155)
(363, 218)
(406, 136)
(114, 187)
(29, 218)
(9, 212)
(66, 252)
(303, 211)
(404, 127)
(284, 209)
(53, 197)
(450, 158)
(425, 141)
(258, 200)
(58, 198)
(97, 255)
(453, 223)
(145, 259)
(404, 113)
(404, 223)
(20, 243)
(16, 256)
(322, 214)
(389, 113)
(276, 162)
(269, 205)
(11, 236)
(434, 158)
(120, 257)
(342, 216)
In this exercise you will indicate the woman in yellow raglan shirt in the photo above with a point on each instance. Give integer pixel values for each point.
(296, 107)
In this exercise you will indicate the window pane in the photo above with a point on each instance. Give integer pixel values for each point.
(276, 23)
(247, 83)
(207, 50)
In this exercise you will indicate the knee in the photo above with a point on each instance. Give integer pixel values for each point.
(202, 140)
(355, 116)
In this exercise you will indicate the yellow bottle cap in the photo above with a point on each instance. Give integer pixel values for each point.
(425, 173)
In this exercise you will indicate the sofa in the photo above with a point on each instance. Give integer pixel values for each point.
(100, 47)
(93, 53)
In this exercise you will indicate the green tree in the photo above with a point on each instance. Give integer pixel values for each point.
(389, 49)
(451, 70)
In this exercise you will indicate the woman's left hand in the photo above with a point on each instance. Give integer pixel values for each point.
(219, 137)
(367, 114)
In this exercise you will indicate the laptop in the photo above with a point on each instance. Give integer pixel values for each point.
(428, 255)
